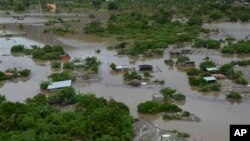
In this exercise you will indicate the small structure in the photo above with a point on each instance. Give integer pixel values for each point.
(18, 17)
(175, 53)
(212, 70)
(65, 57)
(210, 79)
(9, 74)
(187, 51)
(146, 68)
(158, 97)
(51, 7)
(79, 64)
(59, 85)
(189, 63)
(122, 68)
(219, 76)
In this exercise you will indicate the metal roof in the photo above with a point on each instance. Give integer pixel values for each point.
(209, 78)
(122, 67)
(60, 84)
(212, 69)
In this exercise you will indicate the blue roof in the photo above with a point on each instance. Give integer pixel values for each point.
(209, 78)
(60, 84)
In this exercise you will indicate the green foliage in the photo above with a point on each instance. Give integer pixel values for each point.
(25, 72)
(241, 62)
(2, 76)
(234, 95)
(56, 64)
(44, 85)
(197, 81)
(17, 49)
(209, 44)
(68, 65)
(65, 75)
(94, 27)
(147, 74)
(65, 96)
(112, 5)
(91, 64)
(151, 107)
(182, 59)
(195, 20)
(169, 62)
(241, 80)
(179, 97)
(112, 66)
(37, 120)
(167, 92)
(207, 64)
(239, 47)
(193, 72)
(216, 14)
(128, 76)
(210, 87)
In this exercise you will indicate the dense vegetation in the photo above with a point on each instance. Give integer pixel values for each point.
(209, 44)
(14, 73)
(93, 119)
(45, 53)
(65, 75)
(239, 47)
(234, 96)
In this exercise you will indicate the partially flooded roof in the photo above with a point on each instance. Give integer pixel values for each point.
(60, 84)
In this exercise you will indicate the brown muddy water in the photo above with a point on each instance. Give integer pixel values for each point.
(215, 112)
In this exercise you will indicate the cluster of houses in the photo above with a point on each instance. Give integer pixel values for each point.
(215, 75)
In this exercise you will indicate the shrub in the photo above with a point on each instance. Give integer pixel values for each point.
(25, 72)
(193, 72)
(17, 48)
(94, 27)
(181, 59)
(56, 64)
(44, 85)
(62, 76)
(239, 47)
(149, 107)
(113, 66)
(209, 44)
(207, 64)
(179, 97)
(147, 74)
(128, 76)
(169, 62)
(2, 76)
(195, 20)
(197, 81)
(216, 14)
(68, 65)
(167, 92)
(65, 96)
(241, 80)
(168, 107)
(234, 95)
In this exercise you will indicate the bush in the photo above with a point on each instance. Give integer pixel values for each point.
(241, 80)
(193, 72)
(17, 48)
(207, 64)
(216, 14)
(2, 76)
(56, 64)
(62, 76)
(128, 76)
(169, 62)
(25, 72)
(94, 27)
(172, 108)
(179, 97)
(68, 65)
(239, 47)
(234, 95)
(182, 59)
(112, 5)
(112, 66)
(44, 85)
(209, 44)
(147, 74)
(195, 20)
(149, 107)
(65, 96)
(197, 81)
(167, 92)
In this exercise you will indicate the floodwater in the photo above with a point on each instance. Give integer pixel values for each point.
(215, 112)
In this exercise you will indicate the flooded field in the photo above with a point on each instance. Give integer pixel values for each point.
(215, 112)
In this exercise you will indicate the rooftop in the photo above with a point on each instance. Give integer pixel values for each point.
(212, 69)
(60, 84)
(209, 78)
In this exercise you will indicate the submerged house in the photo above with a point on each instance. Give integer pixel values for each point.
(158, 97)
(146, 68)
(123, 68)
(189, 63)
(212, 70)
(210, 78)
(175, 53)
(59, 85)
